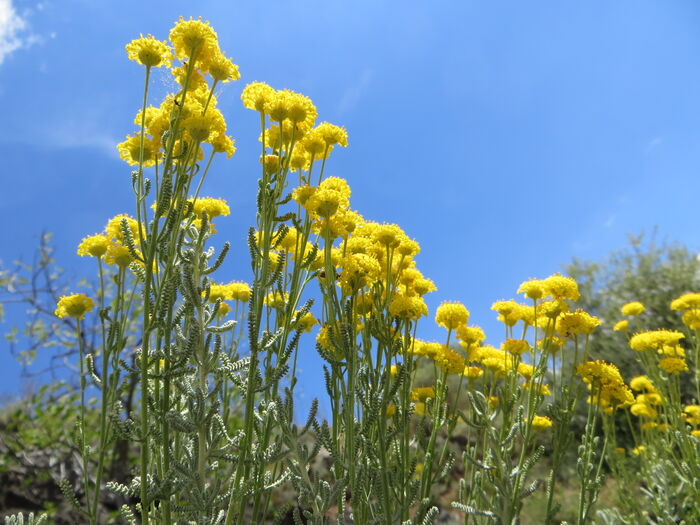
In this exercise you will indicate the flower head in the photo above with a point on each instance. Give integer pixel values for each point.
(686, 301)
(452, 315)
(194, 38)
(94, 245)
(633, 308)
(149, 52)
(541, 422)
(222, 69)
(76, 306)
(560, 287)
(533, 289)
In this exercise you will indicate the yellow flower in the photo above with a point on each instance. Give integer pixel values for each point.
(633, 308)
(651, 398)
(472, 372)
(76, 306)
(94, 245)
(119, 255)
(212, 207)
(358, 270)
(423, 286)
(332, 134)
(691, 318)
(239, 291)
(621, 326)
(390, 410)
(303, 193)
(276, 299)
(673, 365)
(643, 410)
(655, 340)
(256, 94)
(300, 110)
(639, 450)
(198, 127)
(452, 315)
(222, 143)
(642, 384)
(325, 202)
(691, 414)
(130, 150)
(306, 322)
(541, 422)
(449, 360)
(470, 334)
(423, 393)
(194, 37)
(412, 308)
(551, 310)
(578, 322)
(388, 235)
(113, 230)
(560, 287)
(533, 289)
(218, 291)
(224, 309)
(542, 390)
(515, 346)
(526, 370)
(222, 69)
(149, 52)
(686, 301)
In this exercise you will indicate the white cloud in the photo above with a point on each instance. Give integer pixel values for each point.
(12, 29)
(80, 133)
(653, 144)
(353, 94)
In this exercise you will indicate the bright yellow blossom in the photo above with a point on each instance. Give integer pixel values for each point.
(560, 287)
(633, 308)
(621, 326)
(686, 301)
(194, 38)
(541, 422)
(452, 315)
(673, 365)
(222, 69)
(76, 306)
(533, 289)
(149, 52)
(94, 245)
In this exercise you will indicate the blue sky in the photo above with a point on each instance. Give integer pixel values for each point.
(507, 137)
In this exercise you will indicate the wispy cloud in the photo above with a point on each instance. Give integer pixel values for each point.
(80, 133)
(14, 30)
(353, 94)
(653, 144)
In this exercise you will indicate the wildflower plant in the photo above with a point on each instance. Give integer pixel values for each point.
(213, 361)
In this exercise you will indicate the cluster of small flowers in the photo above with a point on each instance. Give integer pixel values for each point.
(193, 111)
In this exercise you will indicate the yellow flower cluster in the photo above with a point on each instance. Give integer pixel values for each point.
(149, 52)
(233, 291)
(686, 302)
(75, 306)
(452, 315)
(632, 309)
(192, 112)
(605, 381)
(655, 340)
